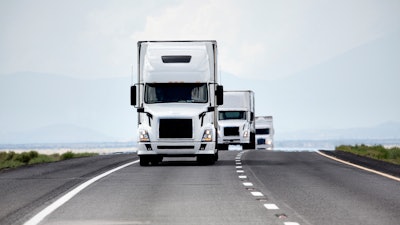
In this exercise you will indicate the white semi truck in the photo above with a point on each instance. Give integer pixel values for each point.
(236, 120)
(264, 132)
(176, 96)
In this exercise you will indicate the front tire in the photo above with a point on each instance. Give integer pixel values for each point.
(144, 160)
(206, 159)
(223, 147)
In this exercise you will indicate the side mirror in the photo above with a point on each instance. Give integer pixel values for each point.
(133, 95)
(220, 95)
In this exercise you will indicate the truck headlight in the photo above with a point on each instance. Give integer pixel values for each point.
(269, 142)
(144, 136)
(207, 135)
(246, 134)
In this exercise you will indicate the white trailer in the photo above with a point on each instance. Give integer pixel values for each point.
(176, 96)
(236, 120)
(264, 132)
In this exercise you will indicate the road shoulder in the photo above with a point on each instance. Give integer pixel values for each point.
(369, 163)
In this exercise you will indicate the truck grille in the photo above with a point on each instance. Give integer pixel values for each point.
(231, 131)
(261, 141)
(176, 128)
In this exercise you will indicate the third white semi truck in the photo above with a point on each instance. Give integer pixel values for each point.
(264, 132)
(237, 120)
(176, 96)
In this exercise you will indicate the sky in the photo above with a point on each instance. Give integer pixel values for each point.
(257, 38)
(260, 40)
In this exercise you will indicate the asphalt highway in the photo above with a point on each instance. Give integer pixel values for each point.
(243, 187)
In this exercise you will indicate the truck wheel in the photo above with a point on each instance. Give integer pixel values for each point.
(155, 160)
(252, 144)
(144, 161)
(223, 147)
(206, 159)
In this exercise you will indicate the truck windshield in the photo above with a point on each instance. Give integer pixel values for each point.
(176, 92)
(232, 115)
(262, 131)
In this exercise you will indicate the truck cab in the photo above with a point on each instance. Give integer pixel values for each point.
(176, 96)
(264, 132)
(236, 120)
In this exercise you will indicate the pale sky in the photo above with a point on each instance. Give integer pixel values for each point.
(305, 59)
(257, 38)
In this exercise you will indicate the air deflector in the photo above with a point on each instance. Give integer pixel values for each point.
(176, 58)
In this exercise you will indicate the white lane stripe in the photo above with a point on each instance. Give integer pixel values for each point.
(242, 177)
(239, 167)
(271, 206)
(240, 171)
(360, 167)
(291, 223)
(257, 194)
(49, 209)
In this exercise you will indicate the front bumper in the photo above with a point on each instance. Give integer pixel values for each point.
(176, 148)
(233, 140)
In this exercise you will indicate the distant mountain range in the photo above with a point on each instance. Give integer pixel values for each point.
(359, 89)
(53, 108)
(61, 133)
(389, 130)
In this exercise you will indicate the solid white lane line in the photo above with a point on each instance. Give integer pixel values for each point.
(271, 206)
(49, 209)
(257, 194)
(360, 167)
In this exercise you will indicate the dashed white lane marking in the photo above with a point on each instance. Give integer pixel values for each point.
(271, 206)
(360, 167)
(247, 184)
(257, 194)
(61, 201)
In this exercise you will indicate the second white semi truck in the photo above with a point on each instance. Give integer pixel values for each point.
(176, 96)
(237, 120)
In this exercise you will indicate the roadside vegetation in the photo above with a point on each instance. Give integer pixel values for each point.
(391, 155)
(13, 160)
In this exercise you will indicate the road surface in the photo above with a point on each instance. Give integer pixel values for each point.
(243, 187)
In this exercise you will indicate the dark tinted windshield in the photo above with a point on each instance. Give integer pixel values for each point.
(232, 115)
(262, 131)
(175, 92)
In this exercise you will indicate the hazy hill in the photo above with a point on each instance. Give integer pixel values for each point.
(347, 96)
(36, 106)
(359, 88)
